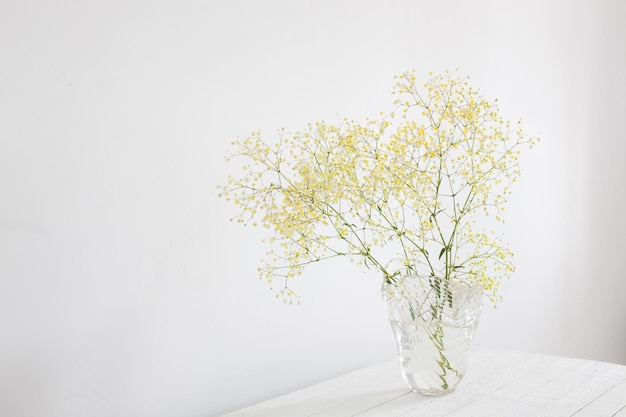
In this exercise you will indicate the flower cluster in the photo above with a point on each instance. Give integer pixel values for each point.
(409, 184)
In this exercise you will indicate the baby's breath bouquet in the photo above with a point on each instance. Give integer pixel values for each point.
(415, 192)
(409, 184)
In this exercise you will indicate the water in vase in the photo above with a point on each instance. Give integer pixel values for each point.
(433, 358)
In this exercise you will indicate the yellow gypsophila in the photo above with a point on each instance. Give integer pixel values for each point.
(410, 184)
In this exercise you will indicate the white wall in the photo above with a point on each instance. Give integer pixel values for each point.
(125, 291)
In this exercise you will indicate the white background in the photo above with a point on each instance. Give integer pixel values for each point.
(124, 288)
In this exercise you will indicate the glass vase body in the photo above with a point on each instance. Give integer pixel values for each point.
(433, 322)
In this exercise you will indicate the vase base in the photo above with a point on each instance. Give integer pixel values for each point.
(433, 392)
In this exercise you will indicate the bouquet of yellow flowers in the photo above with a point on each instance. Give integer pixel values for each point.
(408, 184)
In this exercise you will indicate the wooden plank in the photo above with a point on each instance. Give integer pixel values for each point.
(367, 387)
(585, 391)
(504, 368)
(612, 402)
(557, 389)
(499, 383)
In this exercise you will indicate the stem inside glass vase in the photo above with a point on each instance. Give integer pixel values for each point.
(433, 322)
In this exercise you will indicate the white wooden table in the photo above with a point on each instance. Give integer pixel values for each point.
(498, 383)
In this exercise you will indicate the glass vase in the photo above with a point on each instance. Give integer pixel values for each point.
(433, 321)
